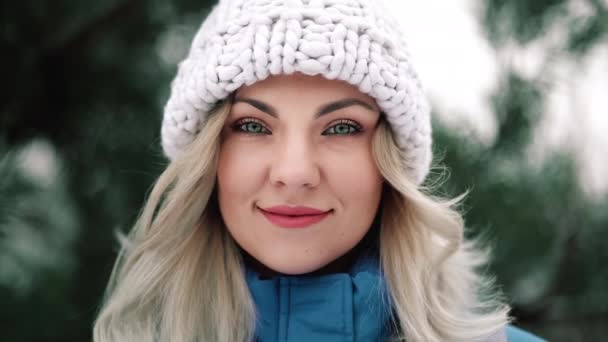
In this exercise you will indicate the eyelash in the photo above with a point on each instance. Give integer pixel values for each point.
(238, 126)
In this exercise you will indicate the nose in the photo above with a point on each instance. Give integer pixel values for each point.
(294, 165)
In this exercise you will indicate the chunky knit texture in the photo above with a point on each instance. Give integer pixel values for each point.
(356, 41)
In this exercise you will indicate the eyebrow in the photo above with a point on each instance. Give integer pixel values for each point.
(323, 110)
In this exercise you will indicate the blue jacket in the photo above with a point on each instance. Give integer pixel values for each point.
(336, 307)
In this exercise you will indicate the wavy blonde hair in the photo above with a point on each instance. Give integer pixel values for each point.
(179, 275)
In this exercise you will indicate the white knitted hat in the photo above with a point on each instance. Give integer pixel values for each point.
(356, 41)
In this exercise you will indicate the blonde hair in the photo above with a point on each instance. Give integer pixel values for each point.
(179, 275)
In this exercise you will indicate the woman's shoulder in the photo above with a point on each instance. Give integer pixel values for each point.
(515, 334)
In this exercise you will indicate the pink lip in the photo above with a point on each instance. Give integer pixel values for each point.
(294, 217)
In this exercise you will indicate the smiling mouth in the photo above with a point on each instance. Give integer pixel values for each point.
(294, 221)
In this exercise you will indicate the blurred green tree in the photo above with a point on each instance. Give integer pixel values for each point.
(87, 83)
(550, 239)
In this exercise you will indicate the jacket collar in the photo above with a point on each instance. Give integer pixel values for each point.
(349, 307)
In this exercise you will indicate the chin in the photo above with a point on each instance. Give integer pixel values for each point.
(295, 268)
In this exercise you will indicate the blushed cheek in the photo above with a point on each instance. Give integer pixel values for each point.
(239, 174)
(354, 175)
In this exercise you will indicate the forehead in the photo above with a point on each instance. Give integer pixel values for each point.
(304, 88)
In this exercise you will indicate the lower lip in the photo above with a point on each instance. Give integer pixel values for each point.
(285, 221)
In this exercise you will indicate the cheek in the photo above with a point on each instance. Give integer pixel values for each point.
(354, 177)
(357, 184)
(239, 174)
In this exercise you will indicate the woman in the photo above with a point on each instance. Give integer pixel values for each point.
(292, 209)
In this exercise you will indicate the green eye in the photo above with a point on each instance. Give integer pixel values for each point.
(251, 126)
(344, 127)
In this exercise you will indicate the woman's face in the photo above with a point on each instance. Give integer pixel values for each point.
(295, 141)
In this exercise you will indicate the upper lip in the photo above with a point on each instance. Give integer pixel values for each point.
(294, 211)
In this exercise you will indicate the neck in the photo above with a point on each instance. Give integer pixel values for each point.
(339, 265)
